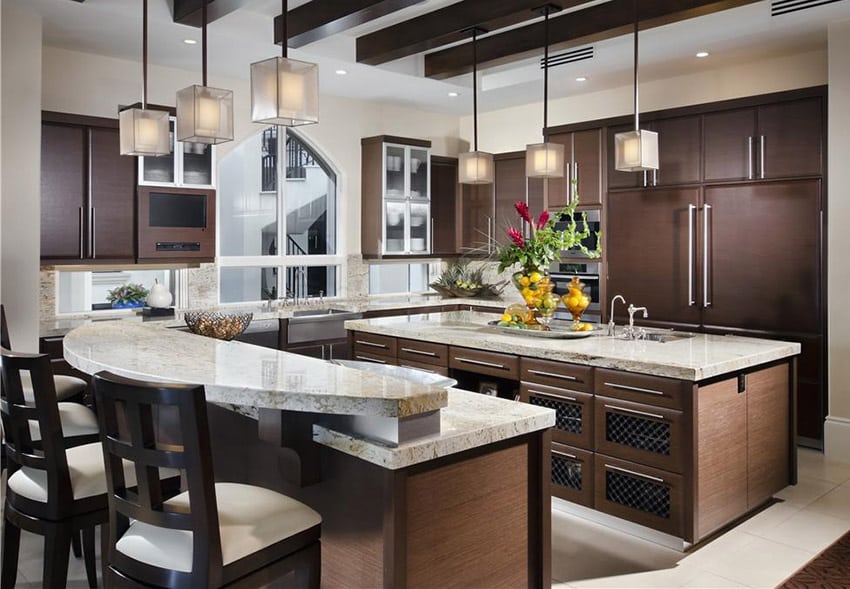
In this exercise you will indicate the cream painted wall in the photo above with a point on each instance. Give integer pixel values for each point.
(20, 187)
(512, 129)
(837, 434)
(101, 83)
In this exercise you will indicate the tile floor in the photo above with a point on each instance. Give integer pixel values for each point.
(761, 552)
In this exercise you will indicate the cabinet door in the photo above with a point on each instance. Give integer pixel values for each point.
(729, 145)
(476, 218)
(396, 179)
(763, 248)
(196, 164)
(679, 151)
(791, 139)
(649, 240)
(768, 443)
(444, 200)
(63, 191)
(162, 169)
(618, 179)
(510, 186)
(113, 190)
(419, 182)
(587, 167)
(558, 190)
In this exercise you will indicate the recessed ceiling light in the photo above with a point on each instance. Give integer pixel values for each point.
(702, 54)
(341, 72)
(454, 94)
(190, 42)
(581, 79)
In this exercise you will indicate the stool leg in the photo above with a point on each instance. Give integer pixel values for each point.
(11, 546)
(57, 548)
(88, 554)
(76, 546)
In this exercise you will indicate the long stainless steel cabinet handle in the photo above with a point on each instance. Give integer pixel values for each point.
(371, 344)
(691, 210)
(489, 235)
(635, 412)
(480, 363)
(420, 352)
(706, 301)
(761, 156)
(553, 375)
(574, 183)
(750, 157)
(93, 233)
(370, 359)
(625, 387)
(633, 473)
(82, 243)
(564, 454)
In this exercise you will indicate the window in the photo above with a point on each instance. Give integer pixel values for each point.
(400, 278)
(277, 239)
(81, 292)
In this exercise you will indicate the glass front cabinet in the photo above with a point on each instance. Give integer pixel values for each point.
(191, 165)
(396, 190)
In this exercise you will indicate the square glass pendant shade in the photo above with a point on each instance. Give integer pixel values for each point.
(284, 92)
(144, 132)
(204, 115)
(544, 160)
(636, 151)
(475, 167)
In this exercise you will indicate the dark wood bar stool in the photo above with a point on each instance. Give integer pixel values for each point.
(213, 534)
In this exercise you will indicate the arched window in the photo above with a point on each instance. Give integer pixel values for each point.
(277, 239)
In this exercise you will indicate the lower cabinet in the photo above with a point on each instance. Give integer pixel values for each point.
(572, 474)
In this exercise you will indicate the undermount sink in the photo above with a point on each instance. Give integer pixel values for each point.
(310, 325)
(668, 336)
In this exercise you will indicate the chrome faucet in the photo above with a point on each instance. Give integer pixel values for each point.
(612, 327)
(630, 332)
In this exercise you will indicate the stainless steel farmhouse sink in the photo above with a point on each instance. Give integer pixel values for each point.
(309, 325)
(667, 336)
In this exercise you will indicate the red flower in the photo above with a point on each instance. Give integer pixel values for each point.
(522, 209)
(516, 236)
(544, 218)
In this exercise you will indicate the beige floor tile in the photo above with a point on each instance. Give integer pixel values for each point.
(836, 503)
(671, 578)
(813, 464)
(808, 530)
(706, 580)
(806, 491)
(769, 518)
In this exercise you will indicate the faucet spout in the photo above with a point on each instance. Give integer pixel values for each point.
(611, 325)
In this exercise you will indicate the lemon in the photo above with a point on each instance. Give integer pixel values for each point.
(535, 277)
(523, 281)
(507, 317)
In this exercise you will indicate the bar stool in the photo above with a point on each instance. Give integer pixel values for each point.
(213, 534)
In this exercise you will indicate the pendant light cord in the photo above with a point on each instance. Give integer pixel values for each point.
(637, 122)
(284, 9)
(475, 88)
(144, 54)
(204, 42)
(546, 67)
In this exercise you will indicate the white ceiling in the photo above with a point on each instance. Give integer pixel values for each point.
(113, 27)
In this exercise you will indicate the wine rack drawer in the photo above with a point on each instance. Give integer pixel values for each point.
(573, 412)
(572, 474)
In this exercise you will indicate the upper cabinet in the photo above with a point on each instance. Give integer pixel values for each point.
(396, 196)
(87, 191)
(779, 140)
(511, 185)
(190, 165)
(444, 204)
(582, 170)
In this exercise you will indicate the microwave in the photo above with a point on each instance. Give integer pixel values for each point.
(175, 224)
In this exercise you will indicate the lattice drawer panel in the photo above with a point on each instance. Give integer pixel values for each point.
(568, 415)
(638, 493)
(566, 472)
(638, 432)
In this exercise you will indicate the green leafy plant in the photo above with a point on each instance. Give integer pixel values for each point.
(545, 243)
(460, 278)
(127, 293)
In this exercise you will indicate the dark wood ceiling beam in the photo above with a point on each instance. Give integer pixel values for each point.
(188, 12)
(603, 21)
(322, 18)
(446, 25)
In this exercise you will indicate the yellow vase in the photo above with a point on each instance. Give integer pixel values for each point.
(575, 300)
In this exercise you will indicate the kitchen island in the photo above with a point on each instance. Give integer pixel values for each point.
(466, 504)
(684, 435)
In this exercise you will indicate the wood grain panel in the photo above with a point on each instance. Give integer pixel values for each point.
(371, 197)
(722, 465)
(113, 197)
(63, 191)
(483, 362)
(372, 343)
(444, 204)
(423, 352)
(728, 149)
(791, 139)
(557, 374)
(450, 513)
(767, 426)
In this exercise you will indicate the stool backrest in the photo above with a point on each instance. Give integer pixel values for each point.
(4, 329)
(46, 454)
(128, 410)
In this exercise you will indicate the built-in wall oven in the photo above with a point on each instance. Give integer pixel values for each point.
(593, 218)
(562, 273)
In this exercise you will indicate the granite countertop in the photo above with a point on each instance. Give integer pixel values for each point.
(700, 357)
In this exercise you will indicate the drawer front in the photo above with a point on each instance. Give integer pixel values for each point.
(640, 494)
(369, 356)
(573, 412)
(641, 388)
(640, 433)
(432, 368)
(423, 352)
(557, 374)
(370, 343)
(481, 362)
(572, 474)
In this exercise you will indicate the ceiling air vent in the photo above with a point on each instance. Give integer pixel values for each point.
(780, 7)
(570, 56)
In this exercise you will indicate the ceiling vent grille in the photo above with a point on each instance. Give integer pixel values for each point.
(570, 56)
(781, 7)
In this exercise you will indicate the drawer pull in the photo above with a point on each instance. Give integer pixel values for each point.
(370, 359)
(551, 396)
(634, 412)
(564, 454)
(420, 352)
(480, 363)
(417, 368)
(626, 387)
(637, 474)
(553, 375)
(371, 344)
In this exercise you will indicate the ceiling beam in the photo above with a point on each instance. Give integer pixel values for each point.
(322, 18)
(446, 25)
(188, 12)
(602, 21)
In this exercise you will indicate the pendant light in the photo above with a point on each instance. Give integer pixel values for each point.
(636, 151)
(204, 114)
(545, 160)
(284, 91)
(144, 131)
(476, 167)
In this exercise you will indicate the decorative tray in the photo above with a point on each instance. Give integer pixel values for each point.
(556, 331)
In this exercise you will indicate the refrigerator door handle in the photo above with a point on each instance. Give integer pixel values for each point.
(691, 211)
(706, 300)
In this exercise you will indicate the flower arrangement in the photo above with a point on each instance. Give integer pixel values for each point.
(127, 295)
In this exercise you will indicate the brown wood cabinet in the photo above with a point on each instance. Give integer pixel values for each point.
(87, 192)
(476, 219)
(583, 170)
(444, 205)
(510, 186)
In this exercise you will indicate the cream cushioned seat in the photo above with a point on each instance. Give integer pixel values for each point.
(250, 519)
(66, 386)
(77, 420)
(86, 469)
